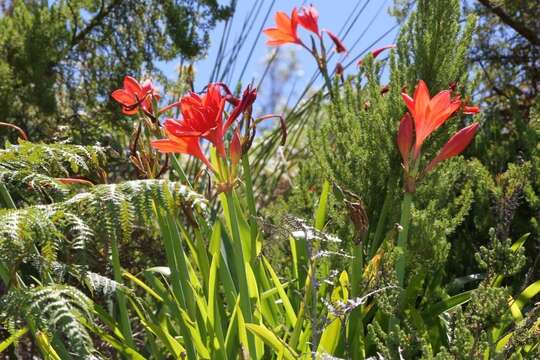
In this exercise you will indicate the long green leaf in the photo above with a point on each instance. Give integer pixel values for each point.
(272, 340)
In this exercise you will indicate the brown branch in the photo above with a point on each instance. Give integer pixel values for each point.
(514, 24)
(21, 132)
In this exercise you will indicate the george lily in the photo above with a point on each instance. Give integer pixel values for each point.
(429, 113)
(134, 95)
(426, 115)
(202, 117)
(285, 31)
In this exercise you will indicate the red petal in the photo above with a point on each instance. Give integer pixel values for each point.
(376, 52)
(409, 101)
(123, 97)
(278, 37)
(283, 22)
(182, 145)
(455, 146)
(131, 85)
(405, 137)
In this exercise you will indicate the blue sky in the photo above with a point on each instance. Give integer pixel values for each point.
(373, 22)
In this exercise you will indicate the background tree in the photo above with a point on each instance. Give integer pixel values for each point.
(60, 59)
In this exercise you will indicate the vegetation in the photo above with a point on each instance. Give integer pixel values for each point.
(386, 217)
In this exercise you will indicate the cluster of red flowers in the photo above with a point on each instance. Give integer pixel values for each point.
(202, 117)
(135, 95)
(428, 114)
(286, 30)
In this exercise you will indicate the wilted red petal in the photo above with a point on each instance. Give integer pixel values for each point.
(376, 52)
(248, 98)
(405, 137)
(309, 19)
(129, 110)
(455, 146)
(339, 69)
(471, 110)
(337, 42)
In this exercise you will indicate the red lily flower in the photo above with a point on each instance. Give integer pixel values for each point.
(376, 52)
(429, 113)
(309, 19)
(285, 31)
(340, 48)
(201, 117)
(134, 95)
(455, 146)
(181, 145)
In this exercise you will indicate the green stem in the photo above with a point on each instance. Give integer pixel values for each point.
(405, 221)
(323, 67)
(240, 269)
(251, 205)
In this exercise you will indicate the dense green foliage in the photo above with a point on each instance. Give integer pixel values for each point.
(293, 254)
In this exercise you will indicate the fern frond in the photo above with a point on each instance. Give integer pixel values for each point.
(55, 308)
(34, 167)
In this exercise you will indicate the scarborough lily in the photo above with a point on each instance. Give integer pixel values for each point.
(285, 31)
(203, 118)
(134, 95)
(426, 115)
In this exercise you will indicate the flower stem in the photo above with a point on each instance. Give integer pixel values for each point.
(251, 205)
(405, 221)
